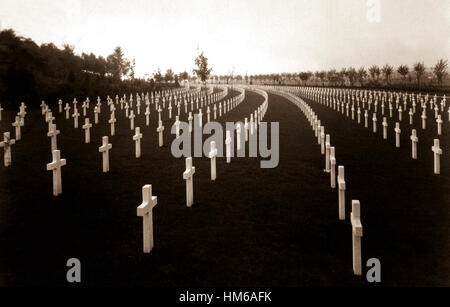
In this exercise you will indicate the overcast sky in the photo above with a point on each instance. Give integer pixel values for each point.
(253, 36)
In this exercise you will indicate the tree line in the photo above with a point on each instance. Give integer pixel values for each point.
(374, 76)
(31, 73)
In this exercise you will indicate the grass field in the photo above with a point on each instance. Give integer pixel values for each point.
(251, 227)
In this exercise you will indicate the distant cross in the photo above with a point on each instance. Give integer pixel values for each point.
(6, 144)
(137, 138)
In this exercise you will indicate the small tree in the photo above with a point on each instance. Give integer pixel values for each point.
(332, 76)
(351, 75)
(403, 70)
(157, 76)
(117, 65)
(387, 71)
(169, 75)
(202, 71)
(362, 75)
(184, 75)
(440, 70)
(321, 76)
(374, 72)
(304, 76)
(419, 69)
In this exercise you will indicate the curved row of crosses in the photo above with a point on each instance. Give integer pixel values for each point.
(193, 101)
(375, 102)
(330, 167)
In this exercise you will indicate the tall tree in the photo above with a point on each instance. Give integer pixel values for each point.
(362, 75)
(387, 71)
(184, 75)
(304, 76)
(403, 70)
(202, 71)
(351, 75)
(169, 75)
(440, 70)
(419, 69)
(374, 72)
(157, 75)
(117, 65)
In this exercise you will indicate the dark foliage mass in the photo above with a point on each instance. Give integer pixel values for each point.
(32, 73)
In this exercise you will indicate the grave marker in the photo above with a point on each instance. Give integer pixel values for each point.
(104, 149)
(188, 175)
(6, 144)
(437, 154)
(341, 184)
(357, 232)
(414, 140)
(87, 130)
(137, 139)
(146, 211)
(55, 166)
(212, 156)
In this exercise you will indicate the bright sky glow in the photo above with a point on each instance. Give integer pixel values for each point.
(253, 36)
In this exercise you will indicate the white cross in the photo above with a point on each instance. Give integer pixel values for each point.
(126, 109)
(131, 117)
(357, 233)
(341, 184)
(439, 122)
(366, 116)
(385, 125)
(112, 122)
(16, 125)
(87, 130)
(333, 168)
(84, 107)
(6, 144)
(60, 106)
(228, 146)
(104, 149)
(212, 156)
(146, 211)
(424, 120)
(52, 133)
(75, 118)
(137, 138)
(55, 166)
(67, 109)
(414, 141)
(437, 153)
(374, 119)
(177, 127)
(96, 112)
(160, 130)
(397, 135)
(159, 114)
(327, 153)
(190, 122)
(188, 175)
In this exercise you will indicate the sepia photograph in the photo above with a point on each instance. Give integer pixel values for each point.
(225, 151)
